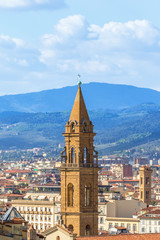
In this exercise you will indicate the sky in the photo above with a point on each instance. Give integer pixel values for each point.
(45, 44)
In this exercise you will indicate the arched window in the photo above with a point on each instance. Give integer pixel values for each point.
(70, 227)
(85, 127)
(87, 195)
(85, 155)
(72, 155)
(57, 238)
(72, 127)
(88, 230)
(70, 195)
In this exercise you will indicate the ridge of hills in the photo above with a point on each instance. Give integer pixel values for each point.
(117, 130)
(96, 95)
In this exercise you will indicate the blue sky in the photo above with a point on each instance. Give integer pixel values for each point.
(44, 44)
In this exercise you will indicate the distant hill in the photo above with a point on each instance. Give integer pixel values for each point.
(97, 96)
(117, 130)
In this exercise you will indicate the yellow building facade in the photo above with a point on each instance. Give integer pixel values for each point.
(132, 224)
(79, 172)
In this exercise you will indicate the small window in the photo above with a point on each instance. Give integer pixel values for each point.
(57, 238)
(134, 227)
(147, 180)
(85, 127)
(87, 195)
(72, 155)
(73, 127)
(128, 227)
(110, 225)
(101, 220)
(147, 194)
(70, 227)
(88, 230)
(85, 156)
(70, 195)
(143, 229)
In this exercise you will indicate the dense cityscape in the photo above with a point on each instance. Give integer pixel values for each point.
(120, 193)
(79, 120)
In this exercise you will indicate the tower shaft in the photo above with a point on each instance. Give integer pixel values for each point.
(79, 173)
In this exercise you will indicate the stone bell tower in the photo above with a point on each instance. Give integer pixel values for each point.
(79, 172)
(145, 184)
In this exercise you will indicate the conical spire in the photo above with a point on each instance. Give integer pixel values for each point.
(79, 111)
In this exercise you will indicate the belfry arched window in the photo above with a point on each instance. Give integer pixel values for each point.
(85, 156)
(88, 230)
(72, 155)
(87, 195)
(73, 127)
(70, 195)
(85, 127)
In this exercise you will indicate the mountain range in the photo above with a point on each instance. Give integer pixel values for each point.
(96, 95)
(124, 117)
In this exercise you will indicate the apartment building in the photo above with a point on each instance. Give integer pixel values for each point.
(41, 210)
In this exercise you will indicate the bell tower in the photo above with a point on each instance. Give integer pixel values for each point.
(79, 172)
(145, 184)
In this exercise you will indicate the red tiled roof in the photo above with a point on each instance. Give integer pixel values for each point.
(12, 195)
(18, 171)
(123, 180)
(147, 236)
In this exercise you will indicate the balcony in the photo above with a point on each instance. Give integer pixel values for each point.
(77, 165)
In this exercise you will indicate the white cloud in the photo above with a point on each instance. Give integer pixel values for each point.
(67, 31)
(126, 53)
(31, 4)
(116, 52)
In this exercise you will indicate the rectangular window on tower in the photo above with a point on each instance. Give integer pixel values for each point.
(147, 180)
(147, 194)
(87, 195)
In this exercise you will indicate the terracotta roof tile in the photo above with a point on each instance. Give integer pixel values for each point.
(147, 236)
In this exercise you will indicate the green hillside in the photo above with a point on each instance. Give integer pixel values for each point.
(116, 130)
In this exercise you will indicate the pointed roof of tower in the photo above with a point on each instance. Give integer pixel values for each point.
(79, 111)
